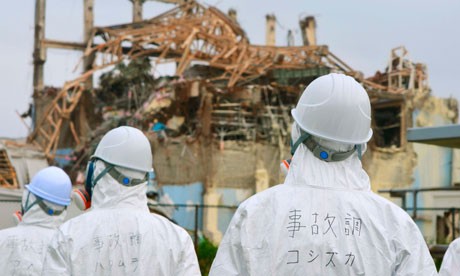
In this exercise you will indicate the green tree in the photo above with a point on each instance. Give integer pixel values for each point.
(206, 254)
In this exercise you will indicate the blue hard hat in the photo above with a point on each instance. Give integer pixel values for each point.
(52, 184)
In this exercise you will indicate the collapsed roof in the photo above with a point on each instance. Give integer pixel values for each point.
(190, 33)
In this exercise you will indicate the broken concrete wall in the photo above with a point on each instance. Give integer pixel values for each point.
(434, 164)
(392, 166)
(389, 160)
(178, 162)
(237, 164)
(216, 220)
(456, 167)
(433, 169)
(413, 164)
(190, 194)
(225, 164)
(8, 208)
(231, 170)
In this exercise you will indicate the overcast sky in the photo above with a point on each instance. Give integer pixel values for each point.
(360, 32)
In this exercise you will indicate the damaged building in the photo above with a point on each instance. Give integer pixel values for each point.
(393, 162)
(220, 126)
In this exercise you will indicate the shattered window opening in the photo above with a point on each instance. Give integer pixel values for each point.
(387, 126)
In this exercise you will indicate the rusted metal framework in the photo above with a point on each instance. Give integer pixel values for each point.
(192, 32)
(188, 33)
(8, 177)
(402, 75)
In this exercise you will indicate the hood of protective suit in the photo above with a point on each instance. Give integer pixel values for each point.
(306, 169)
(108, 193)
(36, 216)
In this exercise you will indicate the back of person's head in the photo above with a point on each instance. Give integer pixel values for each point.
(333, 117)
(50, 189)
(123, 156)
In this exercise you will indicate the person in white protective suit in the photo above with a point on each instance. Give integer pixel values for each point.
(324, 219)
(118, 235)
(451, 262)
(44, 203)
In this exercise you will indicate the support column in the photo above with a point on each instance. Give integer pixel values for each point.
(233, 15)
(308, 30)
(270, 35)
(88, 7)
(39, 54)
(137, 10)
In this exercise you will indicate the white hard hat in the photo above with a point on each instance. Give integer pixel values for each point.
(335, 107)
(126, 147)
(52, 184)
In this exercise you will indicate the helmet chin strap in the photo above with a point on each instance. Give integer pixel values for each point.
(359, 148)
(124, 179)
(48, 210)
(303, 137)
(118, 176)
(323, 153)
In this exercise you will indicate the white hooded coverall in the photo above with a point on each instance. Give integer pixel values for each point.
(119, 236)
(324, 220)
(451, 262)
(23, 248)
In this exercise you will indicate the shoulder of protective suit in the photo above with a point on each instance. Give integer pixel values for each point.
(392, 214)
(174, 231)
(455, 246)
(387, 204)
(260, 199)
(160, 223)
(167, 223)
(4, 233)
(83, 221)
(25, 231)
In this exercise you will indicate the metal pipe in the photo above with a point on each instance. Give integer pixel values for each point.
(195, 234)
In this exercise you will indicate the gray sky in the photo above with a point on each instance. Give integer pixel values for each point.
(360, 32)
